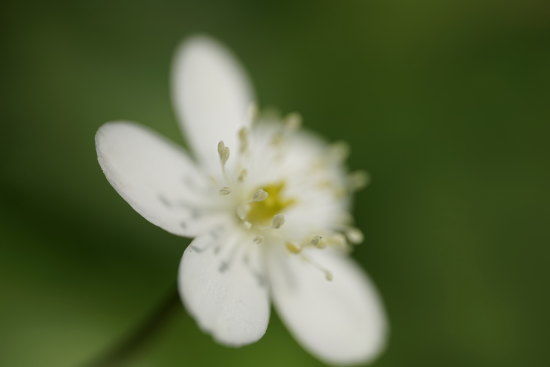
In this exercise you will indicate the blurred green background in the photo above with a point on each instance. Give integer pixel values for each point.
(446, 103)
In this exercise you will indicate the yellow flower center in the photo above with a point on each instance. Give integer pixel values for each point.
(262, 212)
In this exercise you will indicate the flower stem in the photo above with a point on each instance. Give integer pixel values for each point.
(143, 334)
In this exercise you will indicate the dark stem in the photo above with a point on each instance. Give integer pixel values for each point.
(130, 344)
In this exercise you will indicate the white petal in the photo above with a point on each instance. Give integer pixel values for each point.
(224, 288)
(212, 96)
(154, 176)
(340, 321)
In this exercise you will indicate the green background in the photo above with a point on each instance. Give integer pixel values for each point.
(446, 103)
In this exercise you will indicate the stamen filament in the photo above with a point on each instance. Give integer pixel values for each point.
(328, 274)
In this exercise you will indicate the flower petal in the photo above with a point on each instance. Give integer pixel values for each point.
(212, 95)
(340, 321)
(224, 288)
(154, 176)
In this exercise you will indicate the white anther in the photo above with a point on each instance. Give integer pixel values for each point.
(242, 175)
(247, 224)
(328, 275)
(358, 180)
(278, 221)
(316, 241)
(258, 240)
(223, 152)
(242, 211)
(293, 121)
(225, 190)
(354, 235)
(260, 195)
(292, 248)
(339, 151)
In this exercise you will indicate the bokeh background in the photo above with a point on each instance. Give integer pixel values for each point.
(446, 103)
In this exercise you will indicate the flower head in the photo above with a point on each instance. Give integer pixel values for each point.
(268, 205)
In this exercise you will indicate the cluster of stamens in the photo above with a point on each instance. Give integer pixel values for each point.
(261, 212)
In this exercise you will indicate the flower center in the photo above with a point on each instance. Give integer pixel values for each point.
(262, 212)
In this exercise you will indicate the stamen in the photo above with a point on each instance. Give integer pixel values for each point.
(242, 175)
(328, 274)
(358, 180)
(225, 190)
(278, 221)
(293, 121)
(354, 235)
(223, 153)
(242, 211)
(337, 239)
(317, 241)
(258, 240)
(293, 248)
(339, 151)
(260, 195)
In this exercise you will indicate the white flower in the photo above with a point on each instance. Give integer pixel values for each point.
(268, 206)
